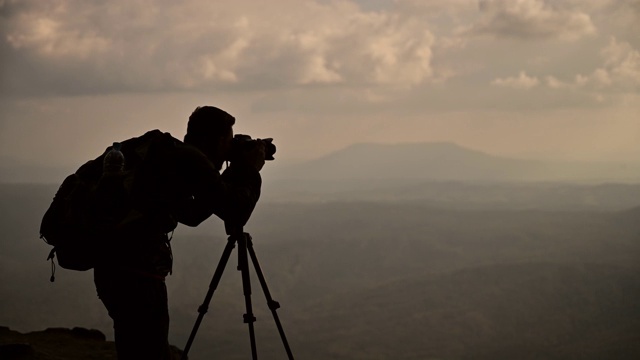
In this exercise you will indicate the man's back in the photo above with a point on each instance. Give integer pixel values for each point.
(170, 182)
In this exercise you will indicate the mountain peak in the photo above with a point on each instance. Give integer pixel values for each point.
(425, 160)
(411, 146)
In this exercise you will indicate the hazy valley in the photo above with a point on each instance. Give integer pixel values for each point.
(390, 268)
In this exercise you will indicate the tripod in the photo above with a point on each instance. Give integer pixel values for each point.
(245, 245)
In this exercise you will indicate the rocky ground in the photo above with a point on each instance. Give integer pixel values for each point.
(59, 343)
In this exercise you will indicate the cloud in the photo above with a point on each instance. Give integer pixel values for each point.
(624, 13)
(75, 46)
(622, 62)
(522, 81)
(554, 83)
(530, 19)
(619, 71)
(437, 7)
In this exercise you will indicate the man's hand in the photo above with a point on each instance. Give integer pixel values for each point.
(252, 156)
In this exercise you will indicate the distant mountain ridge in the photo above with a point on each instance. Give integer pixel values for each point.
(445, 161)
(426, 161)
(16, 171)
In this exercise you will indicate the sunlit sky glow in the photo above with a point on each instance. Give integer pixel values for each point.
(523, 78)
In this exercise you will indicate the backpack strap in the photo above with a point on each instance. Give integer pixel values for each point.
(52, 255)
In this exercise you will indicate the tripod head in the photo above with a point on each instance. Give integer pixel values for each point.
(233, 229)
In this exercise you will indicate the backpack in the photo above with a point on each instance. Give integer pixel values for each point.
(89, 209)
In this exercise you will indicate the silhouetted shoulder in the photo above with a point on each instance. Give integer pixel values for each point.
(193, 166)
(190, 154)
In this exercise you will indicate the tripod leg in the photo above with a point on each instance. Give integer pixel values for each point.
(273, 305)
(243, 266)
(212, 287)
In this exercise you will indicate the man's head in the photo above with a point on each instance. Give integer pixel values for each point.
(210, 130)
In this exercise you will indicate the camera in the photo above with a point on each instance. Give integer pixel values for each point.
(243, 142)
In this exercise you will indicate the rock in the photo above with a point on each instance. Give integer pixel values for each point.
(88, 334)
(16, 352)
(60, 343)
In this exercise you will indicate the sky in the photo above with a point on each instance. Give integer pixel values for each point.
(536, 79)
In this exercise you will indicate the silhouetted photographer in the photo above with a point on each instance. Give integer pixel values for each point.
(116, 212)
(182, 184)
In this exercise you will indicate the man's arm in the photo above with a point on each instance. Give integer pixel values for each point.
(232, 196)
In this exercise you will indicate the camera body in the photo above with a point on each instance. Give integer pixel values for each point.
(243, 142)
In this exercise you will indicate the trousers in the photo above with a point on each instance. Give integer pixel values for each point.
(139, 308)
